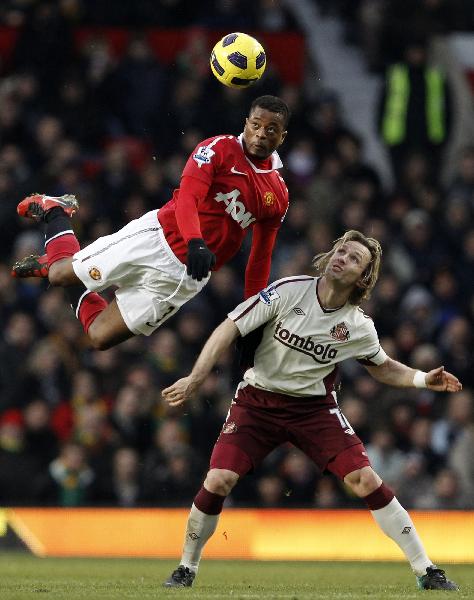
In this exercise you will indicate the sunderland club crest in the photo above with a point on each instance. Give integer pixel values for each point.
(340, 332)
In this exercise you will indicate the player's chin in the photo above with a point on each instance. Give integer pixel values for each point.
(259, 152)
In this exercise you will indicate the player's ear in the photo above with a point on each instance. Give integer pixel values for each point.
(363, 280)
(283, 136)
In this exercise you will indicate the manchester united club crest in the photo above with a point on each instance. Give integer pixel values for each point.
(95, 274)
(229, 427)
(340, 332)
(268, 198)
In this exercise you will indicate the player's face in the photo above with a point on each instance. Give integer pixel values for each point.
(264, 131)
(348, 263)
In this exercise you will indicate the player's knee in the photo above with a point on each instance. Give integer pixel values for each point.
(363, 481)
(99, 337)
(221, 481)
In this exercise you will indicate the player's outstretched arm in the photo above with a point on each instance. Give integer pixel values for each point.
(220, 339)
(394, 373)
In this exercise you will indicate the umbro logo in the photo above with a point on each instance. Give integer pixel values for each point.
(406, 530)
(234, 170)
(298, 311)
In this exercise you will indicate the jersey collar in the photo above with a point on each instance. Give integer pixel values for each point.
(326, 310)
(275, 158)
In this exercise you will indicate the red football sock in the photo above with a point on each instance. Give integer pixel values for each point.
(62, 246)
(89, 308)
(208, 502)
(379, 498)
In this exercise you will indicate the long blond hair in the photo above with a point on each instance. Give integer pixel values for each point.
(364, 287)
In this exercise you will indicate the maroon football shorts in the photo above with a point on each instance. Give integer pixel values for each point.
(259, 421)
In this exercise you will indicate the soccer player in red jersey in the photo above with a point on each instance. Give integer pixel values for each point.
(229, 186)
(310, 324)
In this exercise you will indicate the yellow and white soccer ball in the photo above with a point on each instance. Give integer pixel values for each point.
(238, 60)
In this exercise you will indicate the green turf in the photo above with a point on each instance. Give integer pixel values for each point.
(23, 577)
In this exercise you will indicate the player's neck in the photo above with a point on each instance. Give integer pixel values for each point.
(330, 296)
(260, 163)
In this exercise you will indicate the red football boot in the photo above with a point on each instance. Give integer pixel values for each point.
(31, 266)
(37, 205)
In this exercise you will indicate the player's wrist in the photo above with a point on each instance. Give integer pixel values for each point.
(419, 379)
(196, 242)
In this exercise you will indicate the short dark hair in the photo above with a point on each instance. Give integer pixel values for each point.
(273, 104)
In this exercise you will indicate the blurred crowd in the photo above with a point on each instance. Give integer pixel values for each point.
(82, 427)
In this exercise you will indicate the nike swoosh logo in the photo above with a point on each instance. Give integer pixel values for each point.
(234, 170)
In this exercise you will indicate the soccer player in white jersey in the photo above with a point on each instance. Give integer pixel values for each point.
(310, 324)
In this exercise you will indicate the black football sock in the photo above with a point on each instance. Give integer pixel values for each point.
(56, 223)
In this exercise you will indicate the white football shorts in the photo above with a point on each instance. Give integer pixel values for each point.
(152, 283)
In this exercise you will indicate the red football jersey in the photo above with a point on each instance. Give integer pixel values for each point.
(240, 194)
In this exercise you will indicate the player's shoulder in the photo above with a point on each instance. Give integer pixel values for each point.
(218, 141)
(361, 319)
(292, 284)
(216, 148)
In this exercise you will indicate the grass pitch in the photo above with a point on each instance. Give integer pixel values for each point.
(23, 577)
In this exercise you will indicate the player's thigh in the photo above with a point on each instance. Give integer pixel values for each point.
(247, 437)
(61, 273)
(109, 328)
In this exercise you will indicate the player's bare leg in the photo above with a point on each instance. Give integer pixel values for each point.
(202, 523)
(108, 328)
(396, 523)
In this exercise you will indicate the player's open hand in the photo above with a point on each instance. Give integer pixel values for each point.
(440, 380)
(179, 392)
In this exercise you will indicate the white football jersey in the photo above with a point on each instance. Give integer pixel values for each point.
(302, 341)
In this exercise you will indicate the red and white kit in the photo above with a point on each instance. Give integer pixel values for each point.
(223, 194)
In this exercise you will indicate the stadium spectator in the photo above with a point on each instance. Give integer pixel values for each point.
(39, 438)
(446, 493)
(20, 468)
(460, 460)
(69, 481)
(386, 459)
(327, 494)
(122, 485)
(286, 396)
(131, 426)
(414, 112)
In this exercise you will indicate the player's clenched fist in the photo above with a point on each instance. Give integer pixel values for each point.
(200, 259)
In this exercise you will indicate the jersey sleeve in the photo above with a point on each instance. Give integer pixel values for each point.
(370, 352)
(256, 310)
(259, 263)
(191, 191)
